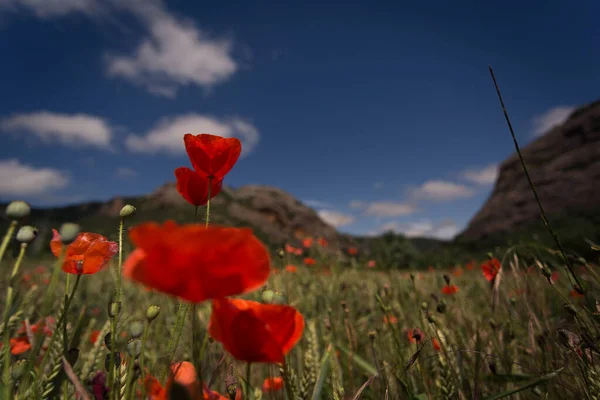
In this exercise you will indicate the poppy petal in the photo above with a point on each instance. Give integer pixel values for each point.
(193, 187)
(212, 155)
(56, 244)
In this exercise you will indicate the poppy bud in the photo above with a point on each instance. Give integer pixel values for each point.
(279, 298)
(26, 234)
(18, 369)
(492, 366)
(152, 312)
(412, 276)
(372, 335)
(136, 329)
(424, 306)
(447, 279)
(441, 307)
(134, 348)
(68, 232)
(280, 253)
(127, 211)
(17, 209)
(578, 289)
(114, 309)
(513, 301)
(493, 324)
(431, 319)
(267, 296)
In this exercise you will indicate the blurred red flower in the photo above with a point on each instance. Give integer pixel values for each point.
(450, 289)
(211, 155)
(291, 268)
(310, 261)
(94, 336)
(322, 242)
(255, 332)
(371, 264)
(196, 263)
(390, 320)
(352, 251)
(490, 269)
(19, 345)
(272, 384)
(436, 344)
(307, 242)
(86, 255)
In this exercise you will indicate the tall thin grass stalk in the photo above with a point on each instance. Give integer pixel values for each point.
(537, 198)
(112, 382)
(7, 308)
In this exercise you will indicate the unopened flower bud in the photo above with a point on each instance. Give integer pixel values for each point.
(17, 209)
(108, 341)
(441, 307)
(127, 211)
(136, 329)
(18, 369)
(412, 276)
(114, 309)
(447, 279)
(424, 306)
(26, 234)
(417, 334)
(134, 348)
(152, 312)
(267, 296)
(68, 232)
(431, 319)
(280, 253)
(372, 335)
(279, 298)
(107, 361)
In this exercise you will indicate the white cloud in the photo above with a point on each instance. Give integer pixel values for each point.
(554, 116)
(125, 173)
(335, 218)
(317, 203)
(483, 176)
(357, 204)
(437, 190)
(52, 8)
(389, 209)
(445, 230)
(18, 179)
(167, 134)
(175, 54)
(70, 129)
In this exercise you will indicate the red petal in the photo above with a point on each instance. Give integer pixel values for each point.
(193, 187)
(212, 155)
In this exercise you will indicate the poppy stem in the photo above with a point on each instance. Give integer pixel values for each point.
(114, 314)
(7, 236)
(7, 307)
(208, 201)
(248, 395)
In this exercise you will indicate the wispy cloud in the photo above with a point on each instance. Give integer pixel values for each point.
(388, 209)
(74, 130)
(46, 9)
(336, 219)
(176, 53)
(167, 135)
(483, 176)
(17, 179)
(125, 173)
(317, 204)
(554, 116)
(445, 229)
(438, 190)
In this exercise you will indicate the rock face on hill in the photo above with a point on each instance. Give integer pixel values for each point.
(564, 165)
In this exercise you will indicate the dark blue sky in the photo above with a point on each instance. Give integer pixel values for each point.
(373, 112)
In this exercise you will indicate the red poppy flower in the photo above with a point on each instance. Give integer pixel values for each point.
(19, 345)
(196, 263)
(45, 325)
(307, 242)
(353, 251)
(458, 272)
(86, 255)
(470, 266)
(298, 252)
(193, 187)
(450, 289)
(322, 242)
(310, 261)
(255, 332)
(390, 320)
(289, 248)
(94, 336)
(436, 344)
(490, 269)
(40, 269)
(575, 293)
(371, 264)
(272, 384)
(212, 156)
(291, 268)
(184, 374)
(414, 334)
(554, 277)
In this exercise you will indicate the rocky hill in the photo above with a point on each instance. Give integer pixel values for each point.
(564, 165)
(275, 216)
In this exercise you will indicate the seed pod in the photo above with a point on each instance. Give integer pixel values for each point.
(27, 234)
(127, 211)
(68, 232)
(152, 312)
(17, 210)
(136, 329)
(134, 348)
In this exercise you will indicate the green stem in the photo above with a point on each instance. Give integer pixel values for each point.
(6, 239)
(183, 308)
(142, 371)
(537, 198)
(248, 396)
(129, 385)
(208, 201)
(7, 307)
(112, 383)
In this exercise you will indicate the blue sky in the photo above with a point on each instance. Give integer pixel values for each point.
(380, 115)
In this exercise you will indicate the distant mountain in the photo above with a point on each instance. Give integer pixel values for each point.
(275, 216)
(564, 165)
